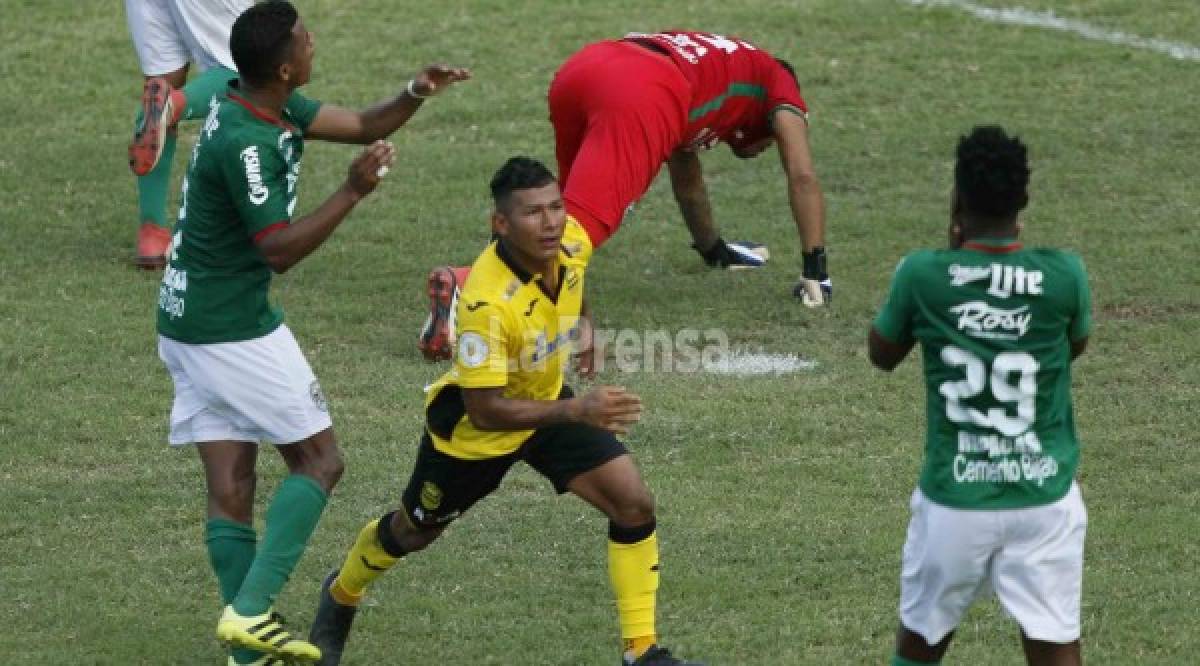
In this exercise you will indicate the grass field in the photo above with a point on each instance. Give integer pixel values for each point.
(782, 499)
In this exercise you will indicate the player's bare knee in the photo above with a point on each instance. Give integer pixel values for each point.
(634, 510)
(409, 537)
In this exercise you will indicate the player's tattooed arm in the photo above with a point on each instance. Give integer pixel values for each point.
(341, 125)
(884, 353)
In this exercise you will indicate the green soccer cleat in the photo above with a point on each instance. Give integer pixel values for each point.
(331, 626)
(264, 633)
(658, 656)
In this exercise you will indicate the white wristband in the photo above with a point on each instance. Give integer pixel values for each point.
(412, 91)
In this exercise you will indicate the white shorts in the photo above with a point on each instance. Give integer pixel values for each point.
(259, 390)
(1032, 559)
(169, 34)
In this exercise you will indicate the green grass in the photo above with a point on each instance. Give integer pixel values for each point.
(782, 500)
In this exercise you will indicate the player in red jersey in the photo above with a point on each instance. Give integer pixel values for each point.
(621, 108)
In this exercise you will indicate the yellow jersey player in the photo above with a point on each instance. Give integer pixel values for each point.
(504, 401)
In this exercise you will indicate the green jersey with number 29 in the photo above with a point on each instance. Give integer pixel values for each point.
(995, 323)
(240, 185)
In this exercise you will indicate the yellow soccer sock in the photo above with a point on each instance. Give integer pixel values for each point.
(633, 569)
(366, 561)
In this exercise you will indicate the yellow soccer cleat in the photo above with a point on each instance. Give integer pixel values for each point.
(264, 633)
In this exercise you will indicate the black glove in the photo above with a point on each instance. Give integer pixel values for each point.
(814, 288)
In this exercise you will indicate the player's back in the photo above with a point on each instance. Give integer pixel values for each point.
(995, 323)
(734, 85)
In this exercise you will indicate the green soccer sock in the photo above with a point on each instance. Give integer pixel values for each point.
(291, 519)
(231, 548)
(201, 89)
(152, 188)
(897, 660)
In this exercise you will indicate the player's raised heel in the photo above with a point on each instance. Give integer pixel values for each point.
(264, 633)
(658, 656)
(437, 335)
(151, 133)
(331, 626)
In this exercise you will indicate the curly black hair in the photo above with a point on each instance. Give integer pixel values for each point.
(261, 40)
(518, 173)
(992, 172)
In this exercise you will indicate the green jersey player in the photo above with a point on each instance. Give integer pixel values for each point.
(239, 375)
(997, 505)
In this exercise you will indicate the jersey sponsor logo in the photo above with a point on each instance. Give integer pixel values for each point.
(211, 123)
(978, 319)
(1006, 280)
(256, 190)
(472, 349)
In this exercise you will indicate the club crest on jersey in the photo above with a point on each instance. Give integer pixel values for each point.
(318, 396)
(431, 496)
(978, 319)
(256, 190)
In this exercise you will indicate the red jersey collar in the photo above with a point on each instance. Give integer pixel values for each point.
(993, 245)
(259, 113)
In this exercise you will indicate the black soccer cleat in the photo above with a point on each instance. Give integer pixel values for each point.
(658, 656)
(331, 625)
(735, 255)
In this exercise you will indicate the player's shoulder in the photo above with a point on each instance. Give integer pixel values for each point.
(491, 282)
(1059, 258)
(576, 244)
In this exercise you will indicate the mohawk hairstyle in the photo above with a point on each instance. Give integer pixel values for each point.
(518, 173)
(992, 172)
(261, 39)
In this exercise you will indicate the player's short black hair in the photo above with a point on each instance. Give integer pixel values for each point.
(992, 172)
(518, 173)
(261, 39)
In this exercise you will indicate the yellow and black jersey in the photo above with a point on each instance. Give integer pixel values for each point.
(511, 335)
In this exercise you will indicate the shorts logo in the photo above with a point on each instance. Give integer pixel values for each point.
(431, 496)
(472, 350)
(318, 396)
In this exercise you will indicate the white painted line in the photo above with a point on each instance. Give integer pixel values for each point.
(747, 364)
(1051, 21)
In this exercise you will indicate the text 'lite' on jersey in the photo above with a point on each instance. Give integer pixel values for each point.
(995, 323)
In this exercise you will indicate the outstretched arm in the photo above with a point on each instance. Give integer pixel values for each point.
(804, 190)
(286, 245)
(610, 408)
(341, 125)
(687, 183)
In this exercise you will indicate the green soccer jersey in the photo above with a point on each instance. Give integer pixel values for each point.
(240, 184)
(995, 323)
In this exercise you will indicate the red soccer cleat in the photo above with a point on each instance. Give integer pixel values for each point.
(159, 102)
(437, 336)
(153, 242)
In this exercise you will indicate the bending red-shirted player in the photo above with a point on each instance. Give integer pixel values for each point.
(621, 108)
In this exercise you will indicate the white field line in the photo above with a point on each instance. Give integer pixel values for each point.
(1051, 21)
(746, 364)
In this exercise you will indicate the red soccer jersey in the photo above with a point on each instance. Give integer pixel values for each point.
(735, 86)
